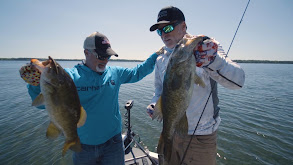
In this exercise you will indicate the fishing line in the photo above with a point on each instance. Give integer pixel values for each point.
(212, 88)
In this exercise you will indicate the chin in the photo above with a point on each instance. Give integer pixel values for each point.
(100, 69)
(171, 46)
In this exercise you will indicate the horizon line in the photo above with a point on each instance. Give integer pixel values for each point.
(240, 61)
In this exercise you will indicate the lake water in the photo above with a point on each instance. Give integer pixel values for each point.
(256, 128)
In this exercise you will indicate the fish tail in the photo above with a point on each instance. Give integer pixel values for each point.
(164, 150)
(167, 150)
(73, 145)
(160, 149)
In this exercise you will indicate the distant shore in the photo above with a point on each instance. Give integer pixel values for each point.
(124, 60)
(43, 59)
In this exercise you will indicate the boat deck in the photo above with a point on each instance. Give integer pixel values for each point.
(139, 157)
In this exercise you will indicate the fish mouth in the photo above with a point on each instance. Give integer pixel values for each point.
(53, 65)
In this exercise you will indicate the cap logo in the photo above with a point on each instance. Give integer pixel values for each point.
(105, 41)
(162, 14)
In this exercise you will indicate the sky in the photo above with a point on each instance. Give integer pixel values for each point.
(57, 28)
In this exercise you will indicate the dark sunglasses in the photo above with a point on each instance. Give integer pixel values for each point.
(103, 57)
(100, 57)
(168, 28)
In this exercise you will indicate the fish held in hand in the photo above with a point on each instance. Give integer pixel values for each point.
(60, 97)
(178, 85)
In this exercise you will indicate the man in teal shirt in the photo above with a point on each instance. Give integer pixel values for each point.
(98, 88)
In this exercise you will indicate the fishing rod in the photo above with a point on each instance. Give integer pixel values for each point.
(237, 28)
(214, 85)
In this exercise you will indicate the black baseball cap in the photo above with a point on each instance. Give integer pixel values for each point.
(167, 15)
(100, 43)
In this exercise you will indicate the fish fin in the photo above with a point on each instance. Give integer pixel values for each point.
(167, 150)
(76, 147)
(82, 117)
(52, 131)
(182, 126)
(158, 110)
(73, 145)
(39, 100)
(199, 81)
(160, 149)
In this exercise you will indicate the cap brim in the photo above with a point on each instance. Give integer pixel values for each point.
(108, 52)
(111, 52)
(155, 26)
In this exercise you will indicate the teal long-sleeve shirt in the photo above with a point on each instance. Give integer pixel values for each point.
(98, 95)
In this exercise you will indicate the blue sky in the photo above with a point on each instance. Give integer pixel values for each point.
(57, 28)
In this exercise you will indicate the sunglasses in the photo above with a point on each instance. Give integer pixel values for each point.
(100, 57)
(168, 28)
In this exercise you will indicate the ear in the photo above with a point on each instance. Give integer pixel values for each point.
(184, 26)
(86, 52)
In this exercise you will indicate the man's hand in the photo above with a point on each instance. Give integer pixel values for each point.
(30, 74)
(151, 109)
(205, 52)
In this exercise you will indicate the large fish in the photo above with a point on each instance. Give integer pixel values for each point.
(60, 97)
(179, 80)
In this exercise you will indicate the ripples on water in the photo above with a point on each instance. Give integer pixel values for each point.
(256, 128)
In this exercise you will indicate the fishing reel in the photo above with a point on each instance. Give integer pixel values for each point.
(128, 138)
(128, 106)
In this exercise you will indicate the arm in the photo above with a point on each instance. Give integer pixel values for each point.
(158, 85)
(131, 75)
(212, 58)
(226, 72)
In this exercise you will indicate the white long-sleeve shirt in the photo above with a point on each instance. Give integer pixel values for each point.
(222, 71)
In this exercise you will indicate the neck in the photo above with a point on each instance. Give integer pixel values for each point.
(100, 73)
(169, 50)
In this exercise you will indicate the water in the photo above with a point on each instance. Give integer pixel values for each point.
(256, 128)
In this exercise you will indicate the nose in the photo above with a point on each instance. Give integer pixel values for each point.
(105, 60)
(163, 34)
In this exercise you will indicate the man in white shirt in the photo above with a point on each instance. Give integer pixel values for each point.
(213, 67)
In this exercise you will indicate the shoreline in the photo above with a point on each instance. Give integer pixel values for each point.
(43, 59)
(125, 60)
